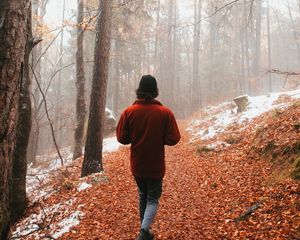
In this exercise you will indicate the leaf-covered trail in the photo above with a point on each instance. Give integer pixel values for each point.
(202, 195)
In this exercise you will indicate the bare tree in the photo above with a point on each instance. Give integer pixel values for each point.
(257, 53)
(195, 86)
(117, 71)
(270, 85)
(58, 118)
(156, 35)
(13, 18)
(80, 82)
(38, 11)
(168, 74)
(94, 143)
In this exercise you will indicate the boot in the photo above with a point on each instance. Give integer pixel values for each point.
(145, 235)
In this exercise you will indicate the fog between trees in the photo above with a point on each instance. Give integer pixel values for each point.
(201, 52)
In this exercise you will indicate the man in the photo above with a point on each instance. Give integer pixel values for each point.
(148, 126)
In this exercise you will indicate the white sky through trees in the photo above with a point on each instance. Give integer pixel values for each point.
(54, 9)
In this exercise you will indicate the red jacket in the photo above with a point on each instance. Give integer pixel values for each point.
(148, 126)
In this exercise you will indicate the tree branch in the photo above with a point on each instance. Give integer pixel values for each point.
(227, 5)
(276, 71)
(48, 117)
(284, 73)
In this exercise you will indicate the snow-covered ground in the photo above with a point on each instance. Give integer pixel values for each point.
(39, 221)
(37, 189)
(228, 115)
(37, 177)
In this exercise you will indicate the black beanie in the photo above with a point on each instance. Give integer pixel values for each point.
(147, 84)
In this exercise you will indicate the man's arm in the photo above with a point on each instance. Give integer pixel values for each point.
(172, 135)
(122, 132)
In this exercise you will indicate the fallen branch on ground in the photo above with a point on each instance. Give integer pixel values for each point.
(247, 214)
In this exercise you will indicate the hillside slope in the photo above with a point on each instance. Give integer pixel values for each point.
(234, 184)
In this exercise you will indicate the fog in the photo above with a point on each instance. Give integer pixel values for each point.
(201, 52)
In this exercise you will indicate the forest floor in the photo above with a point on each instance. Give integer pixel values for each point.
(207, 189)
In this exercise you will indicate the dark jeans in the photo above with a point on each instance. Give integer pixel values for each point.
(150, 191)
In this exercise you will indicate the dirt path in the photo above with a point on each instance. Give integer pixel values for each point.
(204, 191)
(202, 195)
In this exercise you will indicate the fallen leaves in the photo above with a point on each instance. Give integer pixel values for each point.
(203, 192)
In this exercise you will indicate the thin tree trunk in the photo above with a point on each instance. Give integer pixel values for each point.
(213, 51)
(13, 18)
(92, 162)
(246, 48)
(296, 38)
(48, 118)
(282, 44)
(174, 59)
(39, 11)
(257, 54)
(58, 119)
(117, 79)
(168, 84)
(80, 82)
(156, 60)
(269, 47)
(196, 95)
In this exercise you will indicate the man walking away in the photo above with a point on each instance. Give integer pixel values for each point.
(148, 126)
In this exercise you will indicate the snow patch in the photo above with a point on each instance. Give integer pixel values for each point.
(110, 144)
(37, 177)
(110, 113)
(82, 186)
(67, 223)
(37, 222)
(226, 116)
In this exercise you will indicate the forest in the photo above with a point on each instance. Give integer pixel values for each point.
(228, 69)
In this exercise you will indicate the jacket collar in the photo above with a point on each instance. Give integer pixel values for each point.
(143, 101)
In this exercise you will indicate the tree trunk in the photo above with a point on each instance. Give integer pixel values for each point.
(31, 157)
(80, 82)
(295, 31)
(285, 61)
(213, 50)
(246, 47)
(18, 201)
(168, 84)
(257, 54)
(269, 47)
(58, 116)
(13, 21)
(196, 95)
(174, 59)
(92, 162)
(156, 60)
(117, 79)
